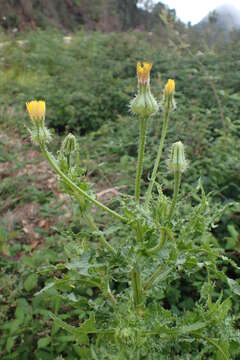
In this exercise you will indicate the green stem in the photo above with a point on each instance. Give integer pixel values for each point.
(74, 187)
(142, 137)
(68, 161)
(104, 242)
(153, 277)
(56, 308)
(159, 154)
(156, 248)
(139, 232)
(110, 294)
(177, 181)
(136, 286)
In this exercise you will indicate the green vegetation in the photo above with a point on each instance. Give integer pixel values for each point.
(64, 295)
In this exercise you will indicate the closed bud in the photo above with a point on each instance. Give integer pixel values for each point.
(177, 161)
(144, 104)
(143, 73)
(169, 91)
(170, 87)
(36, 111)
(39, 133)
(69, 144)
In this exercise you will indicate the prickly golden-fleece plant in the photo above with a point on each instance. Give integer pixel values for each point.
(153, 247)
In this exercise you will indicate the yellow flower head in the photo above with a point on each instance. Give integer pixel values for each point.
(170, 87)
(143, 72)
(36, 110)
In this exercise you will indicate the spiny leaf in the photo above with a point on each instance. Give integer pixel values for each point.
(224, 354)
(234, 286)
(48, 286)
(186, 329)
(88, 327)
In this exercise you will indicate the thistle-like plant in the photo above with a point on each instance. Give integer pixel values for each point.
(154, 245)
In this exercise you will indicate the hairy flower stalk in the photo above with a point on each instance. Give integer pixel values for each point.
(177, 164)
(143, 105)
(136, 287)
(141, 147)
(74, 187)
(168, 99)
(36, 111)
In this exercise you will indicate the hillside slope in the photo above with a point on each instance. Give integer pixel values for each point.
(225, 17)
(96, 15)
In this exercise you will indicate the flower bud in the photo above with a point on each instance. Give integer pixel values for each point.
(143, 73)
(177, 161)
(170, 87)
(36, 111)
(169, 94)
(144, 104)
(69, 144)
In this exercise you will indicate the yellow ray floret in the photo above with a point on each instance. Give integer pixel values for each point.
(170, 87)
(36, 109)
(143, 72)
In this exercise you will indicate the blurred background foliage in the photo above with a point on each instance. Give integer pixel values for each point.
(99, 73)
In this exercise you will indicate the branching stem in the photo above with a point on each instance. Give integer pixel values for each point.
(153, 277)
(156, 248)
(159, 154)
(74, 187)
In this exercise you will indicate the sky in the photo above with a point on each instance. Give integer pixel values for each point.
(195, 10)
